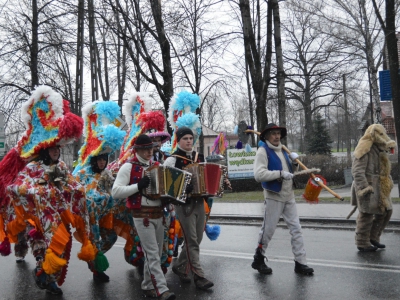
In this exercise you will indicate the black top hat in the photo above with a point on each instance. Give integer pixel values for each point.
(143, 141)
(272, 126)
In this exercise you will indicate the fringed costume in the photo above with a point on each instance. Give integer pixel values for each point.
(102, 138)
(45, 198)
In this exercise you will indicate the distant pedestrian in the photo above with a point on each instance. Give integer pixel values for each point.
(372, 186)
(274, 170)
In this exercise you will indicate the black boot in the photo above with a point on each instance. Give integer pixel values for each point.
(367, 249)
(259, 263)
(377, 244)
(303, 269)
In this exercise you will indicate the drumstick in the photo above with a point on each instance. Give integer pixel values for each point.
(319, 182)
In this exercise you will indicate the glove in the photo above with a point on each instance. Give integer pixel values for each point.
(144, 183)
(293, 155)
(189, 188)
(286, 175)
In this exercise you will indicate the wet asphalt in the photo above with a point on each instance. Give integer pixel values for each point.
(341, 272)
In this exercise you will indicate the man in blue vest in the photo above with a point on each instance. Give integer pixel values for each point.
(273, 167)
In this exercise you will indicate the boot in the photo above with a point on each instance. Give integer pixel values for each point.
(367, 249)
(202, 283)
(303, 269)
(100, 277)
(167, 296)
(377, 244)
(182, 276)
(40, 278)
(259, 263)
(53, 289)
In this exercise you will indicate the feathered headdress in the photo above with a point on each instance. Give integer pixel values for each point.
(101, 135)
(220, 144)
(157, 125)
(182, 113)
(48, 123)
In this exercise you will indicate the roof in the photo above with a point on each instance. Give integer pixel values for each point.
(208, 131)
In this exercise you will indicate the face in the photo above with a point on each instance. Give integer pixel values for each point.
(274, 136)
(157, 140)
(186, 142)
(54, 153)
(145, 153)
(101, 163)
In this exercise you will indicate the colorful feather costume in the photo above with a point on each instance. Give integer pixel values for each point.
(101, 137)
(43, 196)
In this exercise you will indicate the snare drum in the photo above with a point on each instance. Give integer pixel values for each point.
(168, 183)
(207, 179)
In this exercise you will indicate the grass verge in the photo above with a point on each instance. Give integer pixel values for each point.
(257, 196)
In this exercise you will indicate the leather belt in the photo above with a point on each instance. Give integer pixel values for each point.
(151, 212)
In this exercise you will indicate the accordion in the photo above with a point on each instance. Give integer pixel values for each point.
(207, 179)
(168, 183)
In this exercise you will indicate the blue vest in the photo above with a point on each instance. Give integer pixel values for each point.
(274, 164)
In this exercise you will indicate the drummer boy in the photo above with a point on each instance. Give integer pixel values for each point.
(147, 216)
(274, 169)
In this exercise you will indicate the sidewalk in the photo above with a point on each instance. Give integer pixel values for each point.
(331, 212)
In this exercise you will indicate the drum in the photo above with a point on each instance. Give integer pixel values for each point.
(313, 189)
(207, 179)
(168, 183)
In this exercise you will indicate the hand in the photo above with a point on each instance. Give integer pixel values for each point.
(189, 188)
(227, 183)
(293, 156)
(286, 175)
(144, 182)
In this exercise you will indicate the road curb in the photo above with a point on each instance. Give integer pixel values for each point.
(302, 219)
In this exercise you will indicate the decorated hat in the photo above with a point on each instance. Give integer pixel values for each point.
(182, 114)
(272, 126)
(165, 136)
(143, 142)
(101, 135)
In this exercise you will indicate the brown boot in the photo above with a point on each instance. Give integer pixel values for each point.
(167, 296)
(182, 276)
(202, 283)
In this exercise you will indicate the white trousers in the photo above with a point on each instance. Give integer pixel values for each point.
(151, 240)
(272, 211)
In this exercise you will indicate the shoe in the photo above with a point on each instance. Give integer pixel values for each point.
(303, 269)
(167, 296)
(367, 249)
(100, 277)
(182, 276)
(377, 244)
(40, 280)
(202, 283)
(19, 259)
(259, 263)
(54, 289)
(150, 293)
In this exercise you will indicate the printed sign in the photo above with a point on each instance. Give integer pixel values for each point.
(240, 163)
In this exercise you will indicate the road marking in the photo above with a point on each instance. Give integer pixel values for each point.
(314, 262)
(288, 259)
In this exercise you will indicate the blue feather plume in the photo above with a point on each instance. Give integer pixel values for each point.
(213, 232)
(248, 148)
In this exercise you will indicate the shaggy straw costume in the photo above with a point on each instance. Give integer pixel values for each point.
(371, 186)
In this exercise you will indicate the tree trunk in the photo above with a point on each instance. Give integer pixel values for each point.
(393, 55)
(34, 46)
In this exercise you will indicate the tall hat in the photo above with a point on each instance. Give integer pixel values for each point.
(101, 135)
(48, 123)
(140, 120)
(182, 114)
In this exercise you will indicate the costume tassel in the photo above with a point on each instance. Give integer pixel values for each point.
(52, 263)
(239, 145)
(87, 252)
(101, 262)
(248, 148)
(213, 232)
(5, 247)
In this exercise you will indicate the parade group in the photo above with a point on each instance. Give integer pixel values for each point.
(43, 205)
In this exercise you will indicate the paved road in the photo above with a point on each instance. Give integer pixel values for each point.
(341, 272)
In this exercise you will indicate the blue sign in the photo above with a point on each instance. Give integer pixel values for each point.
(385, 87)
